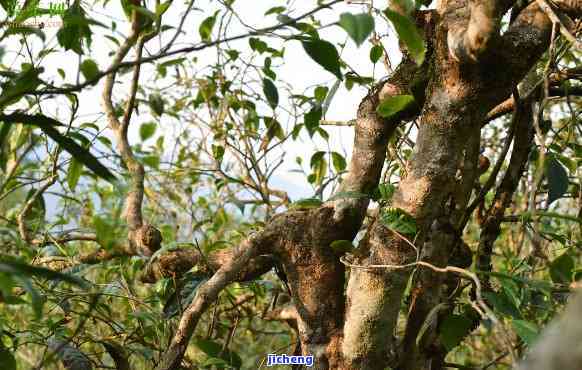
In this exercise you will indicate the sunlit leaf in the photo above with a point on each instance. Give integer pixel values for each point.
(147, 130)
(307, 203)
(398, 220)
(205, 29)
(394, 104)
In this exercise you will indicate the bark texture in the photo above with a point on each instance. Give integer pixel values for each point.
(467, 78)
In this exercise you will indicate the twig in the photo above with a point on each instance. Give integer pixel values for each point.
(556, 20)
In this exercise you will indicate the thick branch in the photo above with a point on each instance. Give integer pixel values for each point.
(178, 262)
(468, 40)
(373, 297)
(208, 293)
(371, 137)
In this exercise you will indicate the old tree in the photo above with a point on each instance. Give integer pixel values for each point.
(147, 216)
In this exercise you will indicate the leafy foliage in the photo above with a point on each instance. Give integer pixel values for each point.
(231, 133)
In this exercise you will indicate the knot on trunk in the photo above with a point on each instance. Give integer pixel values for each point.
(145, 240)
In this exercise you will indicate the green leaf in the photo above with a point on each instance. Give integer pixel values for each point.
(148, 15)
(394, 104)
(36, 299)
(156, 104)
(214, 350)
(18, 268)
(26, 80)
(217, 152)
(152, 161)
(103, 232)
(187, 288)
(25, 31)
(147, 130)
(316, 158)
(275, 10)
(526, 330)
(386, 191)
(398, 220)
(74, 173)
(258, 45)
(325, 54)
(35, 217)
(210, 347)
(205, 29)
(306, 203)
(89, 69)
(312, 119)
(454, 329)
(7, 359)
(274, 129)
(376, 53)
(511, 291)
(9, 6)
(47, 125)
(75, 30)
(162, 8)
(561, 269)
(342, 246)
(320, 93)
(407, 32)
(358, 26)
(338, 161)
(271, 92)
(502, 304)
(557, 178)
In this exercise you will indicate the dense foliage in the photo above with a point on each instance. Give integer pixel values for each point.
(212, 101)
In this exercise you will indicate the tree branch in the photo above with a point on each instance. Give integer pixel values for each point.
(467, 41)
(208, 293)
